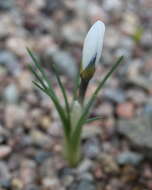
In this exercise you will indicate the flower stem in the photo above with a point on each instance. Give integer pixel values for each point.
(82, 90)
(72, 153)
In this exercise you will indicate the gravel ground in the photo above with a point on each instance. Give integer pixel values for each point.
(117, 150)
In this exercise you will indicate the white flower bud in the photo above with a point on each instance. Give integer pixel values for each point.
(93, 46)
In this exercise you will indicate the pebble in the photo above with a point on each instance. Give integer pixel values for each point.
(115, 5)
(41, 156)
(5, 151)
(34, 118)
(6, 5)
(146, 39)
(91, 148)
(95, 12)
(127, 43)
(129, 158)
(48, 168)
(40, 139)
(81, 8)
(83, 184)
(51, 183)
(32, 187)
(11, 94)
(55, 129)
(45, 122)
(17, 113)
(6, 184)
(67, 180)
(105, 109)
(65, 61)
(134, 69)
(91, 131)
(115, 184)
(137, 128)
(28, 171)
(51, 6)
(129, 174)
(65, 171)
(139, 97)
(31, 99)
(148, 66)
(109, 165)
(109, 124)
(9, 60)
(4, 171)
(16, 183)
(59, 15)
(84, 166)
(115, 95)
(86, 176)
(141, 81)
(25, 79)
(148, 108)
(125, 110)
(147, 171)
(110, 41)
(130, 22)
(36, 113)
(74, 32)
(12, 45)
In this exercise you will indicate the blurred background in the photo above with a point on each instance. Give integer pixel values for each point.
(118, 148)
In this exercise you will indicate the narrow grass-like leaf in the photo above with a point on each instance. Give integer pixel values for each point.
(37, 77)
(64, 95)
(93, 119)
(62, 88)
(77, 132)
(50, 92)
(39, 86)
(61, 112)
(39, 67)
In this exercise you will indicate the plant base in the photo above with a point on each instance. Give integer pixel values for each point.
(72, 153)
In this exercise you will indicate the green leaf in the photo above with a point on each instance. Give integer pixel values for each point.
(77, 133)
(37, 77)
(50, 92)
(93, 119)
(61, 114)
(39, 67)
(39, 86)
(65, 97)
(62, 89)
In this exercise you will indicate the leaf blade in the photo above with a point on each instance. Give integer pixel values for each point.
(93, 119)
(49, 91)
(64, 96)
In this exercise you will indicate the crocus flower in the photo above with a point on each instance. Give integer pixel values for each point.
(92, 50)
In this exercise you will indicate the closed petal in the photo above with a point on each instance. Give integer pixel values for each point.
(93, 44)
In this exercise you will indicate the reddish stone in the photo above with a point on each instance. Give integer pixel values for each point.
(125, 110)
(4, 151)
